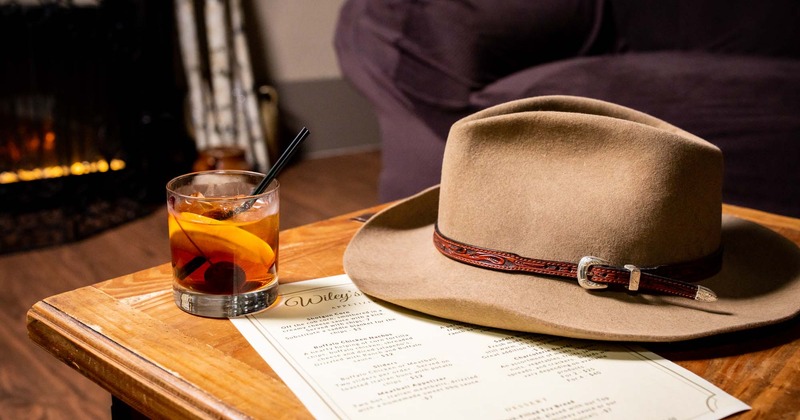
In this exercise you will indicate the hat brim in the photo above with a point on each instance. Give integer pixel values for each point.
(392, 258)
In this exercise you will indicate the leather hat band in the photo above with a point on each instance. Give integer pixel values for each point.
(593, 272)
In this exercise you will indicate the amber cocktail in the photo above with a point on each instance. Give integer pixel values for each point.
(224, 242)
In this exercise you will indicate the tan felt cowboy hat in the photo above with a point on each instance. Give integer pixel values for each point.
(579, 218)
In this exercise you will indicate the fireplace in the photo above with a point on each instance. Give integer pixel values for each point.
(91, 117)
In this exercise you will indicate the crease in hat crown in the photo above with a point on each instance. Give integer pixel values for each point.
(560, 178)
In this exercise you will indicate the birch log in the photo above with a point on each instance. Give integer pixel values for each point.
(220, 70)
(248, 101)
(190, 53)
(212, 134)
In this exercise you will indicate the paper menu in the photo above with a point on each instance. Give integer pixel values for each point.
(347, 356)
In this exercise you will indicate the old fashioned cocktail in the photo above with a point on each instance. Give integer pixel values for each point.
(224, 242)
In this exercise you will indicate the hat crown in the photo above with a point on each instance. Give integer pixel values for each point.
(560, 178)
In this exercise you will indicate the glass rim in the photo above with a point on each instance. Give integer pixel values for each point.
(271, 188)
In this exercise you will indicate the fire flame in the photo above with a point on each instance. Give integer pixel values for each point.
(77, 168)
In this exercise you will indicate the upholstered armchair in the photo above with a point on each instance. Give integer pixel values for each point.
(725, 70)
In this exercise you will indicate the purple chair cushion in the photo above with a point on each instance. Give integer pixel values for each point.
(726, 70)
(748, 106)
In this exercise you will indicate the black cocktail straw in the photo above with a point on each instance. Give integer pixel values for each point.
(273, 172)
(281, 162)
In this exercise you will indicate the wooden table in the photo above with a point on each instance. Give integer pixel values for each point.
(127, 335)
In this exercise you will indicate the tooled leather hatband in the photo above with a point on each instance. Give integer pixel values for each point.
(592, 272)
